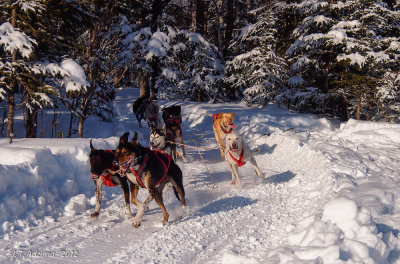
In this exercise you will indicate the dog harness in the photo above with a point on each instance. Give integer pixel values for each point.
(239, 161)
(217, 116)
(139, 172)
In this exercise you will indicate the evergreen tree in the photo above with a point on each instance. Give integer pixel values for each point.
(341, 49)
(257, 71)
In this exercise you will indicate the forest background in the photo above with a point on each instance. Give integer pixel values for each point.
(338, 59)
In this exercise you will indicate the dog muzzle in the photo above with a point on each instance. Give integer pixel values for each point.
(234, 147)
(125, 166)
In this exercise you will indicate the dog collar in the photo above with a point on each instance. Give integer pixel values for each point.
(239, 161)
(226, 132)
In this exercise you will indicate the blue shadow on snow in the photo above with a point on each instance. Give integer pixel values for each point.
(226, 204)
(280, 178)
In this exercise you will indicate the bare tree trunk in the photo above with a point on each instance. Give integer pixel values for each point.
(11, 93)
(144, 85)
(71, 121)
(200, 16)
(80, 126)
(220, 28)
(229, 23)
(358, 111)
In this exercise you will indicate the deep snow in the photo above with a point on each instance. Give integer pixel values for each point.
(330, 194)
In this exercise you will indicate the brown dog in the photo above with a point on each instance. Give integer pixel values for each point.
(173, 126)
(151, 170)
(222, 125)
(101, 163)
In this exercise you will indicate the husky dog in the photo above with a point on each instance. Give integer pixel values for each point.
(152, 114)
(223, 125)
(159, 141)
(139, 108)
(101, 162)
(151, 170)
(173, 125)
(237, 153)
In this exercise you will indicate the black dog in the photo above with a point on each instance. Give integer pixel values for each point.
(139, 108)
(173, 125)
(151, 170)
(101, 163)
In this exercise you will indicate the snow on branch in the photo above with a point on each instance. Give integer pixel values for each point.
(13, 39)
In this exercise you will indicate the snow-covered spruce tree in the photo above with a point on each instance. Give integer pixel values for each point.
(190, 67)
(48, 26)
(341, 54)
(17, 49)
(257, 72)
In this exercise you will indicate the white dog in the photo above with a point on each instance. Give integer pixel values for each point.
(152, 114)
(237, 153)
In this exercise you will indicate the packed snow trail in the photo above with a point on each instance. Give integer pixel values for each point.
(316, 176)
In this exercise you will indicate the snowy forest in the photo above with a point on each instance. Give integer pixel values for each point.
(338, 59)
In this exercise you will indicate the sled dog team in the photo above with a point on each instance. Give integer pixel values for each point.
(152, 168)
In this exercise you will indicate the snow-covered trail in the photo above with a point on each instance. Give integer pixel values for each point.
(220, 222)
(257, 216)
(330, 194)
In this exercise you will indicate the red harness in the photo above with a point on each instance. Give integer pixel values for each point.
(239, 161)
(139, 172)
(217, 116)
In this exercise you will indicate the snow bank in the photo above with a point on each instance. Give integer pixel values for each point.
(43, 178)
(346, 229)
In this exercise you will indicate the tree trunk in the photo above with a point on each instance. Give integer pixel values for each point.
(229, 24)
(220, 28)
(71, 121)
(200, 18)
(80, 126)
(11, 93)
(358, 111)
(11, 107)
(144, 85)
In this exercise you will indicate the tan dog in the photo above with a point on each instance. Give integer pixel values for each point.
(223, 125)
(237, 153)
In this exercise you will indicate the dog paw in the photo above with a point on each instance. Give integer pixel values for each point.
(136, 223)
(95, 214)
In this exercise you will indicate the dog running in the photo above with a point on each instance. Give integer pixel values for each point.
(152, 114)
(173, 126)
(101, 162)
(237, 153)
(146, 108)
(158, 141)
(139, 108)
(223, 125)
(151, 170)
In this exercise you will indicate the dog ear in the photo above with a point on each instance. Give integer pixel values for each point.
(135, 138)
(124, 138)
(91, 146)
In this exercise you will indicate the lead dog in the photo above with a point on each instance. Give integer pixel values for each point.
(101, 162)
(223, 125)
(151, 170)
(237, 153)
